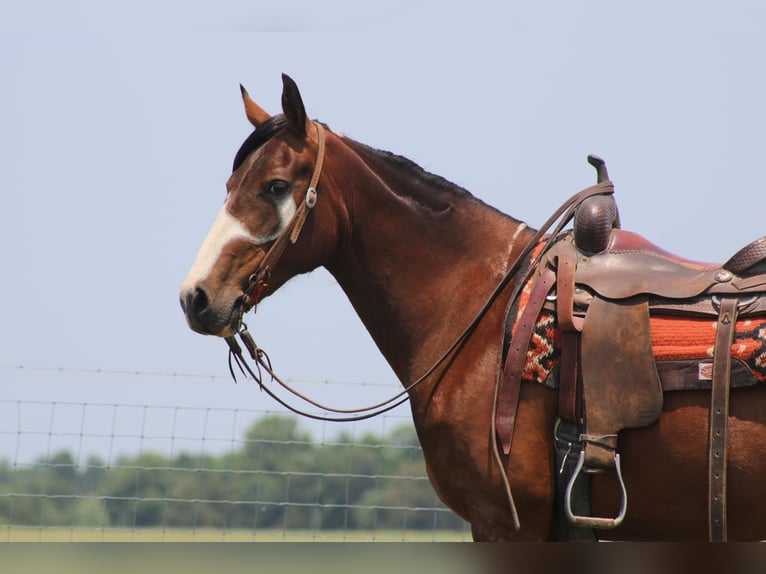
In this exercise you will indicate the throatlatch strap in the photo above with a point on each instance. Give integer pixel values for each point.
(259, 279)
(719, 415)
(311, 193)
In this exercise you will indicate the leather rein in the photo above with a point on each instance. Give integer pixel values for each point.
(259, 281)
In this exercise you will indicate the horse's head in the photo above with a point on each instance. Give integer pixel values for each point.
(267, 201)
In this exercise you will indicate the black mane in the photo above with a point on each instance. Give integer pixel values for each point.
(407, 164)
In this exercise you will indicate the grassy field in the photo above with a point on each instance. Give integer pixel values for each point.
(30, 534)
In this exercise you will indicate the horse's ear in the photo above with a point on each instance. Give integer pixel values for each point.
(255, 113)
(292, 105)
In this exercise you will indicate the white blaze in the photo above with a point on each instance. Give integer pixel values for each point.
(227, 228)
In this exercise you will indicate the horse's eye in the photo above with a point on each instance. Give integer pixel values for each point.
(277, 187)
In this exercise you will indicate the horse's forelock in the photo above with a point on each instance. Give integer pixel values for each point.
(259, 137)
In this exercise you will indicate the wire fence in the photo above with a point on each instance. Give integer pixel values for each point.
(76, 470)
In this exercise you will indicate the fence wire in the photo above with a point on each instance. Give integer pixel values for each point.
(77, 470)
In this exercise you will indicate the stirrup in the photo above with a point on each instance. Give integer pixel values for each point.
(595, 521)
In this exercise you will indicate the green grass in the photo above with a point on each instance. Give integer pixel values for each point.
(36, 534)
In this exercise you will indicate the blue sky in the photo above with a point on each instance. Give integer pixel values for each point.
(119, 122)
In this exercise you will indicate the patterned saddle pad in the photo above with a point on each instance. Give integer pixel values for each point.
(673, 338)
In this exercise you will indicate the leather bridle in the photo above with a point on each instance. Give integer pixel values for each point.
(259, 280)
(257, 285)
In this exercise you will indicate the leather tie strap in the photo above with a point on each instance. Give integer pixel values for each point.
(570, 326)
(517, 355)
(719, 415)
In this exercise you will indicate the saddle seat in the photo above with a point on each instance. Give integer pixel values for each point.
(632, 265)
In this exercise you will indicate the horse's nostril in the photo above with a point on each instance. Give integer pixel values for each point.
(194, 302)
(199, 310)
(199, 301)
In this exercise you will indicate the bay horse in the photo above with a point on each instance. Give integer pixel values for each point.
(420, 259)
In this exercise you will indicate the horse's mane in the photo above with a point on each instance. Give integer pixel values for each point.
(276, 124)
(413, 168)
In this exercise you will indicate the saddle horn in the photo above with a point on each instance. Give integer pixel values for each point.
(601, 174)
(596, 216)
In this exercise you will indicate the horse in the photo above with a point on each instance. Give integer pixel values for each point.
(430, 270)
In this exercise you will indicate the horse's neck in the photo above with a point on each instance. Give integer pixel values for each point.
(418, 263)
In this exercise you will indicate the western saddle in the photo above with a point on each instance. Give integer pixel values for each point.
(603, 283)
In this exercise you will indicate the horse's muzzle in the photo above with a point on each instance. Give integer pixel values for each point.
(203, 316)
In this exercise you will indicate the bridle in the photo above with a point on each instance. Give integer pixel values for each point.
(257, 285)
(259, 280)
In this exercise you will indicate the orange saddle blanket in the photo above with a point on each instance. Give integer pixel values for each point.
(674, 338)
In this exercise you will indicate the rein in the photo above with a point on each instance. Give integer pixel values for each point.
(263, 363)
(259, 281)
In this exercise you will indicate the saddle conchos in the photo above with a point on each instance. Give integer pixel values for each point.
(606, 287)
